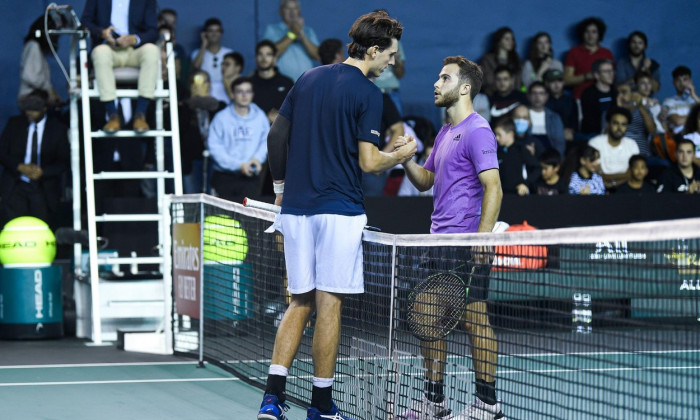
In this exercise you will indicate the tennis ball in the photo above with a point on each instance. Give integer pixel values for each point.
(224, 239)
(27, 240)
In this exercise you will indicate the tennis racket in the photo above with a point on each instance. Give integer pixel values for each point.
(247, 202)
(437, 304)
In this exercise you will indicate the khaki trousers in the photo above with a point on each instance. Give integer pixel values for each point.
(105, 58)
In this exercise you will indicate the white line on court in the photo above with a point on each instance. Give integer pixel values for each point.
(133, 381)
(194, 363)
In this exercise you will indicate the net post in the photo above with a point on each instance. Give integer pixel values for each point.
(389, 407)
(200, 357)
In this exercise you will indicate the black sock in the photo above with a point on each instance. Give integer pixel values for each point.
(486, 391)
(276, 385)
(435, 391)
(322, 398)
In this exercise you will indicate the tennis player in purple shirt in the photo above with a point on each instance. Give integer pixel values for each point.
(463, 169)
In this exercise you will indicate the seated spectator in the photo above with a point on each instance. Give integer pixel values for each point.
(123, 37)
(34, 70)
(637, 182)
(505, 96)
(270, 85)
(231, 69)
(331, 51)
(684, 176)
(692, 131)
(598, 98)
(516, 164)
(297, 44)
(521, 120)
(546, 124)
(482, 106)
(636, 60)
(675, 109)
(615, 149)
(168, 18)
(561, 102)
(195, 115)
(644, 80)
(34, 154)
(580, 59)
(550, 183)
(210, 55)
(238, 144)
(585, 179)
(642, 123)
(540, 58)
(503, 53)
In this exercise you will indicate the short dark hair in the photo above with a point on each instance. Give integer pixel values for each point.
(584, 24)
(211, 22)
(639, 74)
(469, 72)
(237, 57)
(679, 142)
(550, 157)
(599, 62)
(328, 50)
(164, 12)
(375, 28)
(681, 71)
(503, 68)
(618, 110)
(37, 28)
(635, 158)
(639, 34)
(535, 84)
(266, 43)
(506, 124)
(239, 81)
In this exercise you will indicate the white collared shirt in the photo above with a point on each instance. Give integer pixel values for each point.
(120, 16)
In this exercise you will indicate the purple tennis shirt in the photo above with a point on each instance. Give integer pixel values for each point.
(459, 155)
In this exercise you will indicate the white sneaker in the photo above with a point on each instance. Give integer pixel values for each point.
(426, 410)
(479, 410)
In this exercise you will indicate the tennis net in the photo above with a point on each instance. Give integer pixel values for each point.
(591, 323)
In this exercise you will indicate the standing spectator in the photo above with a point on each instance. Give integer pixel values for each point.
(561, 102)
(502, 53)
(692, 130)
(34, 153)
(684, 176)
(34, 71)
(598, 98)
(517, 167)
(644, 82)
(636, 60)
(231, 69)
(237, 141)
(297, 44)
(585, 179)
(676, 108)
(642, 123)
(540, 58)
(546, 124)
(550, 183)
(580, 59)
(124, 37)
(615, 149)
(195, 116)
(269, 85)
(210, 55)
(637, 183)
(505, 96)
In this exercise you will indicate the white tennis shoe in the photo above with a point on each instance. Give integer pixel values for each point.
(425, 409)
(479, 410)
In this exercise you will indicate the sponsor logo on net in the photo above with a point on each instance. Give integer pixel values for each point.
(615, 250)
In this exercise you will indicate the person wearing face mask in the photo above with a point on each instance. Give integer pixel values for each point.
(517, 166)
(522, 124)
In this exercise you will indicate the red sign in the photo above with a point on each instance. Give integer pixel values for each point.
(187, 268)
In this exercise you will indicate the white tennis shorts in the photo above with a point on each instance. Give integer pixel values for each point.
(324, 252)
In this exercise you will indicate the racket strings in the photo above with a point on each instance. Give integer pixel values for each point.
(436, 306)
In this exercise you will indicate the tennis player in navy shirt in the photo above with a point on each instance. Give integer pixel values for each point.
(326, 134)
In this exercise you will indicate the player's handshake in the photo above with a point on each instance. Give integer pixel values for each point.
(405, 148)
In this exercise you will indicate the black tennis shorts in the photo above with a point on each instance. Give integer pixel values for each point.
(459, 260)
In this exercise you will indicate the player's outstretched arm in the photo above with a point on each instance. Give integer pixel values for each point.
(374, 160)
(420, 177)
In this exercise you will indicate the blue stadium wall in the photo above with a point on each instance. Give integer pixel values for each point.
(433, 30)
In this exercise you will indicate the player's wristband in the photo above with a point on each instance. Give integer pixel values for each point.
(278, 188)
(291, 35)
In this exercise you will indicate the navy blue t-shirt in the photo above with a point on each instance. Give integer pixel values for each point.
(330, 108)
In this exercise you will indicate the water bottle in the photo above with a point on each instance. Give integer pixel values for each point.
(587, 314)
(576, 315)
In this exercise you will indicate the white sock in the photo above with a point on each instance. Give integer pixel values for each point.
(278, 370)
(323, 382)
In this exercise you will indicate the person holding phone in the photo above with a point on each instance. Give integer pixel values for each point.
(675, 109)
(210, 57)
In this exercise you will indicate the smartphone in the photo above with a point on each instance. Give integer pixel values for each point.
(115, 35)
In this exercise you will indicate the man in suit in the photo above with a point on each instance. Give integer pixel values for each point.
(35, 153)
(123, 38)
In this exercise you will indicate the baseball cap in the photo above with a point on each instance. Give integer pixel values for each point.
(552, 75)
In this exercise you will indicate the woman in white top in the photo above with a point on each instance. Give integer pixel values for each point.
(540, 58)
(34, 72)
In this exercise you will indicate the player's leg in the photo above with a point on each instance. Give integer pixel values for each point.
(325, 347)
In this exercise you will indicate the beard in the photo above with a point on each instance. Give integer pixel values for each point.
(448, 99)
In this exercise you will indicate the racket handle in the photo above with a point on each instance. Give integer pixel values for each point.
(247, 202)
